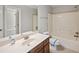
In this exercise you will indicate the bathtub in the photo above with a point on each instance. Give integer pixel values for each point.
(69, 44)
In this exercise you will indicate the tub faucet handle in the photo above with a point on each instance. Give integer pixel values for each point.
(77, 33)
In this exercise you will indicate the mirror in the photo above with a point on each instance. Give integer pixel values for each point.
(9, 21)
(16, 19)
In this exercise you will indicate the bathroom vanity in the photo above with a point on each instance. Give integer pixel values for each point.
(36, 43)
(43, 47)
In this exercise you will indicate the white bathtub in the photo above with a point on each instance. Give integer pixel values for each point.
(69, 43)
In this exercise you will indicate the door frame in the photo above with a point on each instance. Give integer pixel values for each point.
(1, 11)
(33, 22)
(50, 21)
(19, 10)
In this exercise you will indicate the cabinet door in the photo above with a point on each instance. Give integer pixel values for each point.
(38, 48)
(41, 51)
(46, 48)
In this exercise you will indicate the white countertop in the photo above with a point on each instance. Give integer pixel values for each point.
(19, 47)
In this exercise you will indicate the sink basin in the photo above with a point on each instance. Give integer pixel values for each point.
(18, 37)
(28, 42)
(25, 36)
(7, 40)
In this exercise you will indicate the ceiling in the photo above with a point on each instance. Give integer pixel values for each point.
(64, 8)
(59, 8)
(54, 6)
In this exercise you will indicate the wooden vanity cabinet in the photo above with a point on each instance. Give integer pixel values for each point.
(46, 46)
(43, 47)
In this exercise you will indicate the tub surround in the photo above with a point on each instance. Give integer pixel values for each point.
(23, 46)
(68, 44)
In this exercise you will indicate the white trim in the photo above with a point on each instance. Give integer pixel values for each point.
(50, 23)
(3, 21)
(1, 26)
(20, 31)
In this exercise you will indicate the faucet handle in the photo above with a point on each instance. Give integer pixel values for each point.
(77, 33)
(76, 36)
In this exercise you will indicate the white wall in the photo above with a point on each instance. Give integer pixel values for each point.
(65, 25)
(26, 19)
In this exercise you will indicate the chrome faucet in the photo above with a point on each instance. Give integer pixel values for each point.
(12, 38)
(76, 35)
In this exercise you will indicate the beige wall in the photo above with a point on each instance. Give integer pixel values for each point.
(64, 25)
